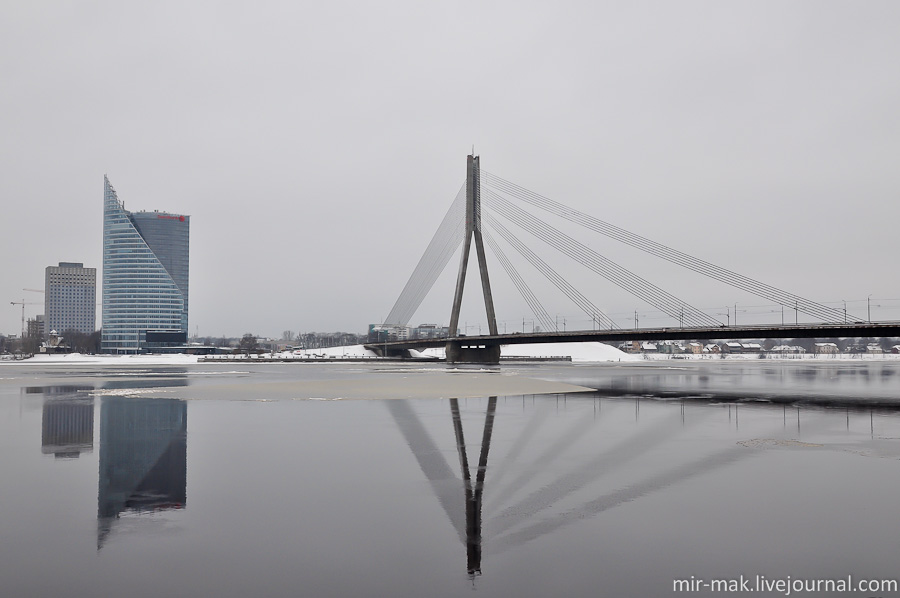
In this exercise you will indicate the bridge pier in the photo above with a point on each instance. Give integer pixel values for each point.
(465, 352)
(388, 351)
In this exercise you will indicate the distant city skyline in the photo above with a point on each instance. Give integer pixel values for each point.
(319, 146)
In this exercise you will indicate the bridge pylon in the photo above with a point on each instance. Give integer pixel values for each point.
(458, 351)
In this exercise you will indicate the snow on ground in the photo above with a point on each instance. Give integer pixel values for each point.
(78, 358)
(578, 352)
(356, 351)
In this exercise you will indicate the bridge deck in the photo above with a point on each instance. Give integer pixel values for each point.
(855, 329)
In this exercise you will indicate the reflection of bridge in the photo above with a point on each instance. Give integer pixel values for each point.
(532, 493)
(441, 478)
(463, 224)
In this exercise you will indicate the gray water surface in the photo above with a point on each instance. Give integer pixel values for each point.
(184, 482)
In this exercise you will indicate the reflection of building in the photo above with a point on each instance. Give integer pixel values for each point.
(145, 278)
(67, 427)
(143, 457)
(67, 420)
(70, 297)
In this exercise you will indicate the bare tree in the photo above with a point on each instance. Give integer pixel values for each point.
(248, 343)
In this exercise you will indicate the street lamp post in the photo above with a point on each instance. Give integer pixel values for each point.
(727, 314)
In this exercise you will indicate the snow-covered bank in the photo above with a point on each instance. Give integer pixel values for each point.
(577, 352)
(126, 360)
(827, 357)
(348, 352)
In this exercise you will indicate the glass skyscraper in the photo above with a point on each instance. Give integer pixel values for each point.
(145, 278)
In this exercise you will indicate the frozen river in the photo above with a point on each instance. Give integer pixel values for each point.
(388, 480)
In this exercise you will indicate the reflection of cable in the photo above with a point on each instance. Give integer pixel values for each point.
(631, 448)
(431, 461)
(623, 495)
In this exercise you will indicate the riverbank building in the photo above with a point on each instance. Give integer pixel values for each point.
(145, 279)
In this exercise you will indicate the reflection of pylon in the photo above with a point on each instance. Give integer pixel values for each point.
(473, 495)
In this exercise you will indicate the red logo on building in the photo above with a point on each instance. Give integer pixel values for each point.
(170, 217)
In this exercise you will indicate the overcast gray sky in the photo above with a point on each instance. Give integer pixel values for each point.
(317, 145)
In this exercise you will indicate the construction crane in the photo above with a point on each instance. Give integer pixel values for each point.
(23, 303)
(23, 307)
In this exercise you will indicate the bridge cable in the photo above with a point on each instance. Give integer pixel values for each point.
(526, 293)
(610, 270)
(708, 269)
(430, 266)
(442, 249)
(647, 291)
(443, 245)
(448, 244)
(575, 219)
(524, 290)
(585, 304)
(660, 300)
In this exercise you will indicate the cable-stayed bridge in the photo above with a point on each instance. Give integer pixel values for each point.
(488, 199)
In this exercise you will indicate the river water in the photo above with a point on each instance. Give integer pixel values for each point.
(248, 480)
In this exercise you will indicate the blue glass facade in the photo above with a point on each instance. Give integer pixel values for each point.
(145, 275)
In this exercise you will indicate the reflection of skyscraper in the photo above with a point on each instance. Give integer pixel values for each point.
(143, 457)
(145, 278)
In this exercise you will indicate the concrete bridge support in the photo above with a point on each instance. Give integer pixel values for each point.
(382, 351)
(462, 352)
